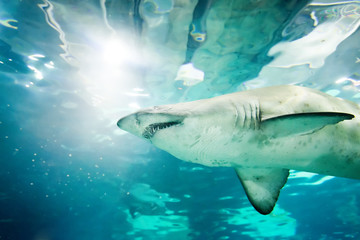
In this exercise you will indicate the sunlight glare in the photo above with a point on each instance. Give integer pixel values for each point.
(119, 53)
(38, 74)
(110, 74)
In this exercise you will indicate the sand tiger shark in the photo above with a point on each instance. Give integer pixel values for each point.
(261, 133)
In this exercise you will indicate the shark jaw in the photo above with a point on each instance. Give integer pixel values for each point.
(153, 128)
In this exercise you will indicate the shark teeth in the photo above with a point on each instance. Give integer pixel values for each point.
(150, 130)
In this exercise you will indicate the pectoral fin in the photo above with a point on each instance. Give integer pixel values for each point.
(301, 123)
(262, 186)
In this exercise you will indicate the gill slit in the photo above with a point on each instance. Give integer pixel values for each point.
(248, 115)
(236, 114)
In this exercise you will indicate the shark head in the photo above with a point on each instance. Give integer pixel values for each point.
(188, 131)
(148, 123)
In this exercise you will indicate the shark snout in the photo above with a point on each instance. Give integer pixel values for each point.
(130, 124)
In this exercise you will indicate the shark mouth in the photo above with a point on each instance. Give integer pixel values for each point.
(150, 130)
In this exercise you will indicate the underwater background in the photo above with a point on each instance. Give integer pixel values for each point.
(70, 69)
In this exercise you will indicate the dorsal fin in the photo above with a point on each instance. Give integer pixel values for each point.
(262, 186)
(301, 123)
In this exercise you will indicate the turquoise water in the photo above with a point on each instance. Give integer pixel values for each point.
(70, 69)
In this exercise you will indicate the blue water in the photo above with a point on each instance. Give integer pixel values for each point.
(70, 69)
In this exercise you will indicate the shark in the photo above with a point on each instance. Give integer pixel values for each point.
(261, 133)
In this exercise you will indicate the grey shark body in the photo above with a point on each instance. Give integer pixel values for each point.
(261, 133)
